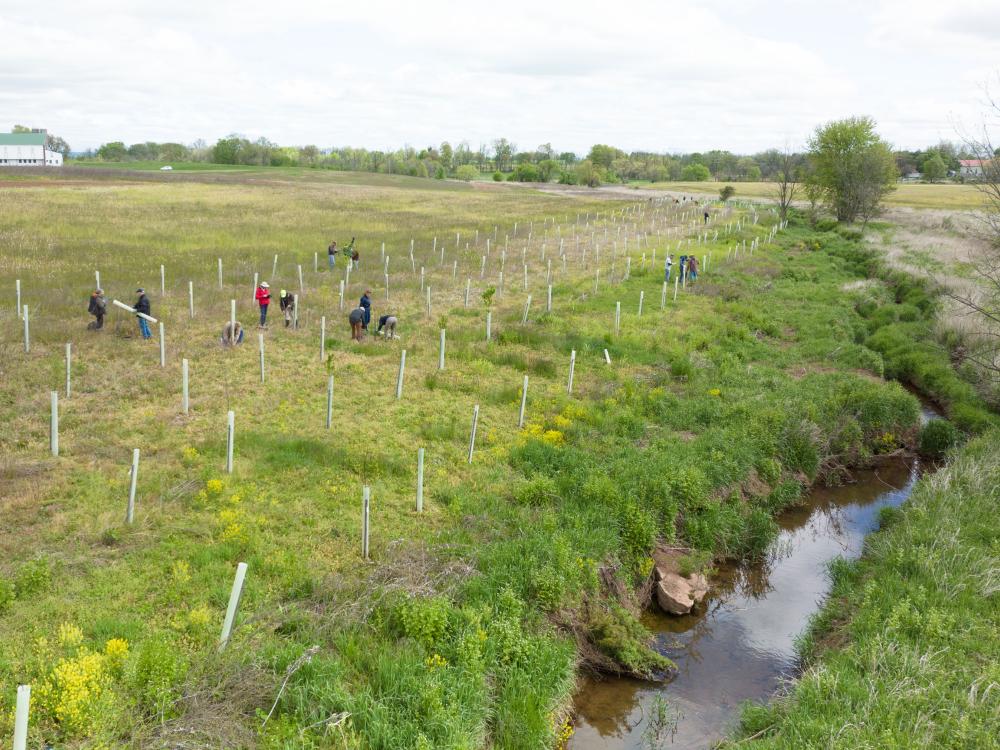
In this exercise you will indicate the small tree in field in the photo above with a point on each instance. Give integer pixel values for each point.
(934, 169)
(786, 182)
(467, 172)
(852, 168)
(726, 193)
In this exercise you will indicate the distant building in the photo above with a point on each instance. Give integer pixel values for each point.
(27, 150)
(972, 167)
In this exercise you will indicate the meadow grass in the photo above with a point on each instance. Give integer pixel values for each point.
(906, 652)
(466, 627)
(914, 195)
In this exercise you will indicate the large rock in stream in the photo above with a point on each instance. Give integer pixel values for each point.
(676, 594)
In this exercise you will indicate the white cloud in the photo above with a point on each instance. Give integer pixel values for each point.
(640, 74)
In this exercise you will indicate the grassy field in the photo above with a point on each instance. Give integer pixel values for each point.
(466, 627)
(912, 195)
(907, 651)
(80, 173)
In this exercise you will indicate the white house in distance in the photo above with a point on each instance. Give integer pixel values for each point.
(972, 167)
(27, 150)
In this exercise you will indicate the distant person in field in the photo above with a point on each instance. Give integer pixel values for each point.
(683, 267)
(232, 335)
(692, 268)
(142, 306)
(287, 303)
(366, 305)
(388, 322)
(350, 253)
(357, 319)
(706, 216)
(98, 307)
(331, 254)
(356, 259)
(263, 297)
(668, 267)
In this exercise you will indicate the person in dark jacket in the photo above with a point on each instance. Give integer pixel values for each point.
(98, 307)
(287, 302)
(356, 319)
(142, 306)
(366, 305)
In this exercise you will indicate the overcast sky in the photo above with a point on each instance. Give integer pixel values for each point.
(654, 75)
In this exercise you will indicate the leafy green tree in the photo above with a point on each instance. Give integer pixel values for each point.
(467, 172)
(695, 173)
(114, 151)
(602, 156)
(525, 172)
(503, 152)
(726, 193)
(934, 169)
(174, 152)
(548, 169)
(657, 173)
(226, 150)
(852, 168)
(569, 177)
(589, 174)
(308, 155)
(447, 156)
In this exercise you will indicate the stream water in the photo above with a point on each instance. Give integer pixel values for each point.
(739, 644)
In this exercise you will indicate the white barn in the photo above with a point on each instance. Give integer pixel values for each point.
(27, 150)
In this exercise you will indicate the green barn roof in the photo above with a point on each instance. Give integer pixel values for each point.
(22, 139)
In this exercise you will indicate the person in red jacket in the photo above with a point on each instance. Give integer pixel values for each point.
(263, 297)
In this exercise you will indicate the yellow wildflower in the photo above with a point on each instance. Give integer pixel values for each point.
(70, 635)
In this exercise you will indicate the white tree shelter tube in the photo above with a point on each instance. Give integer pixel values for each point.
(123, 306)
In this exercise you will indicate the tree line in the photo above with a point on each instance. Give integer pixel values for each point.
(603, 164)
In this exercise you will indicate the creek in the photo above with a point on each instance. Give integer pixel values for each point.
(739, 643)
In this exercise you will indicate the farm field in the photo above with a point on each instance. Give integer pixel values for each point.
(912, 195)
(468, 624)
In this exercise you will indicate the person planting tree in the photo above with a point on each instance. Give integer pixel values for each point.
(287, 303)
(388, 322)
(356, 318)
(98, 307)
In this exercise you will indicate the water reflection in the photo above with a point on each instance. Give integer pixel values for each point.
(740, 644)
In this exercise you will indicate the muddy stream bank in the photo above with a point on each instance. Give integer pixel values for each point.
(739, 644)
